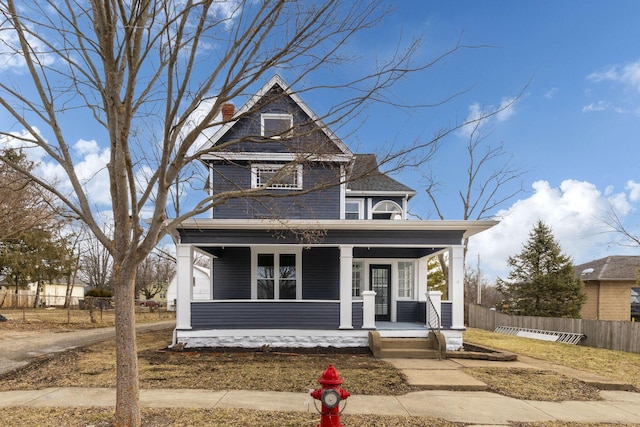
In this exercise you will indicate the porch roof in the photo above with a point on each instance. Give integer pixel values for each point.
(328, 232)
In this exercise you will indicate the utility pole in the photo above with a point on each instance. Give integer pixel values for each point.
(478, 284)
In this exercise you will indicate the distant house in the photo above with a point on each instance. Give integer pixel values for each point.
(54, 294)
(201, 287)
(325, 256)
(611, 287)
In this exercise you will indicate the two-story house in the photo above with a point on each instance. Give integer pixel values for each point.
(318, 249)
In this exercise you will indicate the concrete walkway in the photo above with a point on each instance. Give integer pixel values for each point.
(480, 408)
(449, 394)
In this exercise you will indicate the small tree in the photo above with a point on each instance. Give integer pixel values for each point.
(542, 280)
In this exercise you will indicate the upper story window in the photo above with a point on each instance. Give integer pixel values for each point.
(387, 210)
(354, 209)
(276, 177)
(275, 126)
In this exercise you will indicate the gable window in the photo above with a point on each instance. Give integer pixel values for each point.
(354, 209)
(276, 177)
(275, 126)
(276, 275)
(405, 279)
(387, 210)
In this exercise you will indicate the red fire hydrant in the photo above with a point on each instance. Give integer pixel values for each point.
(330, 394)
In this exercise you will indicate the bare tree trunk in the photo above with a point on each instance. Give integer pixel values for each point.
(128, 392)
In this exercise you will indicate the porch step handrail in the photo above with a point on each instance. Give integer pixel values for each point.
(433, 322)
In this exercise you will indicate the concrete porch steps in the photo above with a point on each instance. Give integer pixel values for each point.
(405, 348)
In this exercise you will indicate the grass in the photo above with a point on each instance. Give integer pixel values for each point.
(616, 365)
(94, 366)
(38, 319)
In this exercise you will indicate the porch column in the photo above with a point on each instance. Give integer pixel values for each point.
(422, 277)
(346, 267)
(184, 285)
(456, 286)
(368, 310)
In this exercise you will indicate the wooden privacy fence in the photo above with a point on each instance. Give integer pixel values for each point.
(613, 335)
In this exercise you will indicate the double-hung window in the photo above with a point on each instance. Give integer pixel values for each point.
(354, 209)
(275, 125)
(277, 275)
(274, 177)
(405, 279)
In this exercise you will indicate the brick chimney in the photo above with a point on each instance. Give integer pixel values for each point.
(228, 111)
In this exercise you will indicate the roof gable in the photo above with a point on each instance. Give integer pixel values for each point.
(276, 97)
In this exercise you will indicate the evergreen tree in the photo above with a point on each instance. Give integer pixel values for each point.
(542, 280)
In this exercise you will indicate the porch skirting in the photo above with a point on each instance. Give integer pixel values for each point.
(295, 338)
(275, 338)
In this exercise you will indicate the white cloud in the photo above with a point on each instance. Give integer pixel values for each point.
(487, 115)
(634, 190)
(598, 106)
(551, 93)
(10, 56)
(575, 211)
(628, 75)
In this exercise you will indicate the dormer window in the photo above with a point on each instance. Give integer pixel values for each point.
(275, 126)
(387, 210)
(276, 177)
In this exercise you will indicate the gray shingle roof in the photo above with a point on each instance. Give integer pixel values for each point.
(618, 267)
(366, 176)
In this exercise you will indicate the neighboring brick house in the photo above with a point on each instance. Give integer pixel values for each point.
(611, 285)
(326, 257)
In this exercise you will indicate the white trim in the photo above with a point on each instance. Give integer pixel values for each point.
(275, 250)
(256, 168)
(343, 189)
(469, 227)
(346, 306)
(276, 157)
(406, 194)
(360, 203)
(276, 116)
(381, 202)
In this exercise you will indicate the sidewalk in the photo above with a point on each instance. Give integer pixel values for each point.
(442, 377)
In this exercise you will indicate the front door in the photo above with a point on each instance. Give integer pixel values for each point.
(380, 278)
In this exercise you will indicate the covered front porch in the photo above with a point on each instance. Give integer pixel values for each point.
(268, 288)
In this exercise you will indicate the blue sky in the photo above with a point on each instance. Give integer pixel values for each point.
(574, 130)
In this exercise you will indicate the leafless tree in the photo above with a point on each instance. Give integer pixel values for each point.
(154, 274)
(139, 72)
(629, 234)
(489, 175)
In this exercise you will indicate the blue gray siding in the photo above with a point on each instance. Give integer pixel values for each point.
(446, 315)
(362, 238)
(356, 314)
(232, 274)
(265, 315)
(323, 203)
(407, 311)
(321, 273)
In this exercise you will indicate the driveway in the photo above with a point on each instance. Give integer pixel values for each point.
(19, 348)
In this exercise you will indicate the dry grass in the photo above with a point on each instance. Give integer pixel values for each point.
(617, 365)
(94, 366)
(533, 384)
(60, 319)
(176, 417)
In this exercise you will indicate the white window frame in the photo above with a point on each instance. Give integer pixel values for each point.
(359, 202)
(358, 265)
(276, 252)
(398, 209)
(296, 170)
(275, 116)
(404, 291)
